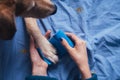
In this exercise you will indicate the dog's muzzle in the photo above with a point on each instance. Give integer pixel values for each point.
(55, 10)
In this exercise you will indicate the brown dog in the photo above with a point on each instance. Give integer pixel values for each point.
(27, 8)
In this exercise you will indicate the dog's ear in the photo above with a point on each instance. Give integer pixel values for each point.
(7, 24)
(7, 29)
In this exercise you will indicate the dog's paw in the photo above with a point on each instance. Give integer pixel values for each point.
(48, 50)
(45, 46)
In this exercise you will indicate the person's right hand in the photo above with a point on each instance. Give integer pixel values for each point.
(79, 54)
(39, 66)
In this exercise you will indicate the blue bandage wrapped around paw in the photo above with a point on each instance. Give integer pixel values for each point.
(56, 42)
(43, 57)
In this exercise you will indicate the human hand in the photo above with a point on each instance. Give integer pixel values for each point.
(39, 67)
(79, 54)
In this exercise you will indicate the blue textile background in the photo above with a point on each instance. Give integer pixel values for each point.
(95, 21)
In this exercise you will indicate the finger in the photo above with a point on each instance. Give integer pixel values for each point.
(73, 37)
(34, 55)
(47, 34)
(65, 44)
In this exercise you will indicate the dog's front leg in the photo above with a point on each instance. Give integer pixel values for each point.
(41, 41)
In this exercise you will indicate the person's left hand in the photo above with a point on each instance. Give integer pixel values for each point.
(39, 67)
(79, 54)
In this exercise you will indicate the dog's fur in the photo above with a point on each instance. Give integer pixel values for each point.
(9, 9)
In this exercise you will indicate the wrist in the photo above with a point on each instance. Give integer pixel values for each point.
(85, 71)
(39, 71)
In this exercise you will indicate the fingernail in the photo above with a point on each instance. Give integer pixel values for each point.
(60, 39)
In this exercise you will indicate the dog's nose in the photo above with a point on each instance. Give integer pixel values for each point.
(55, 10)
(7, 29)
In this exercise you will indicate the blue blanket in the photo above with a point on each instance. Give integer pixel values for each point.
(95, 21)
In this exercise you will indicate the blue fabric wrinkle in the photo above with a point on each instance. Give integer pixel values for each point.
(95, 21)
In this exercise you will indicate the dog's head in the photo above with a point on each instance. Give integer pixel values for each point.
(26, 8)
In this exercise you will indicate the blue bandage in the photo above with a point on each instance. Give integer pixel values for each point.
(56, 42)
(43, 57)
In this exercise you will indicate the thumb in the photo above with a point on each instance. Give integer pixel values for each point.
(65, 44)
(34, 55)
(47, 34)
